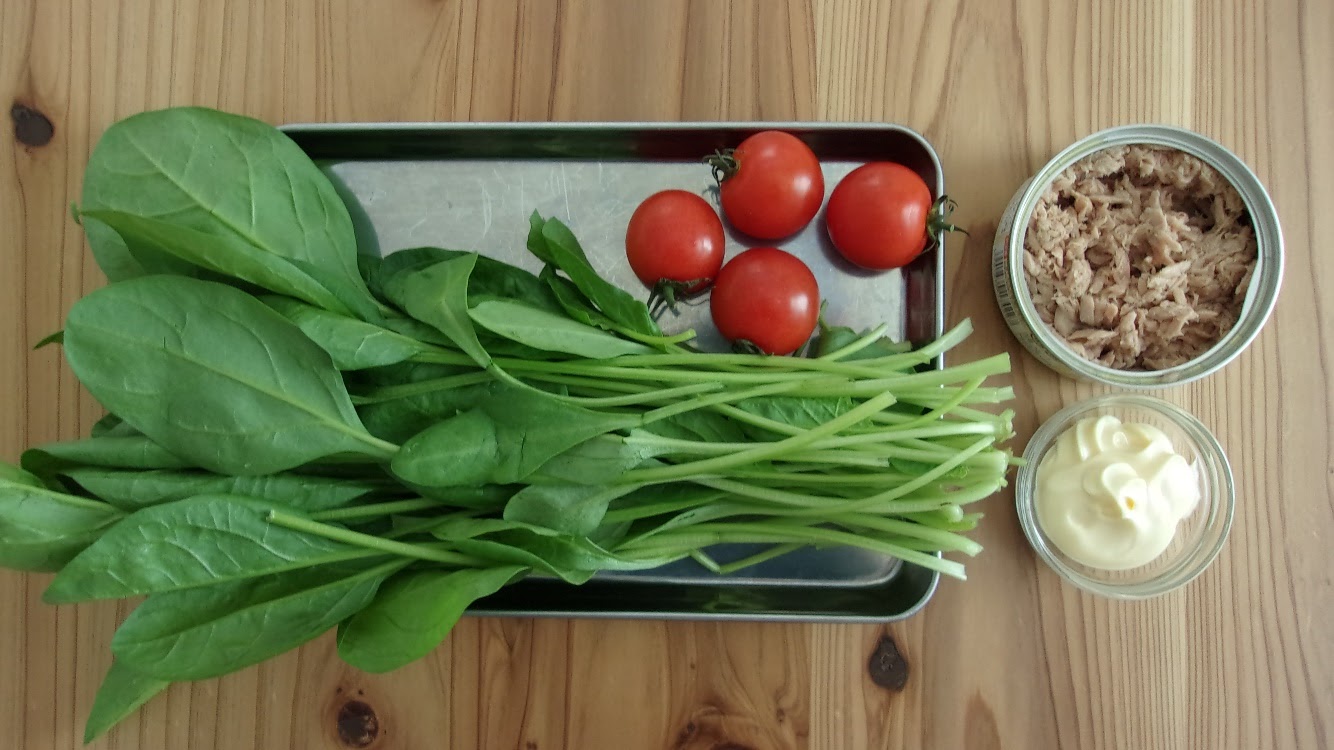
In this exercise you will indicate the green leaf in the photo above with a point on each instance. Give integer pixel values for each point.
(570, 508)
(833, 338)
(352, 344)
(52, 338)
(109, 424)
(208, 632)
(221, 174)
(126, 452)
(472, 536)
(709, 426)
(114, 258)
(541, 329)
(600, 460)
(504, 439)
(41, 529)
(349, 290)
(406, 261)
(198, 541)
(132, 490)
(123, 692)
(438, 295)
(575, 559)
(563, 251)
(573, 302)
(494, 279)
(209, 371)
(401, 418)
(803, 412)
(413, 613)
(222, 254)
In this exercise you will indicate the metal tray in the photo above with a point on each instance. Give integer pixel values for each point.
(472, 186)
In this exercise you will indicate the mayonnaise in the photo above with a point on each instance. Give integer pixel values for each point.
(1109, 495)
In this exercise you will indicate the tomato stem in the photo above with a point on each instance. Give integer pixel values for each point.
(669, 292)
(938, 220)
(724, 164)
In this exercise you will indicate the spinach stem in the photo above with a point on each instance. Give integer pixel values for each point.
(701, 402)
(777, 550)
(376, 509)
(777, 533)
(763, 451)
(370, 541)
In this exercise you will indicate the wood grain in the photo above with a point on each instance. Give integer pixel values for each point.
(1011, 659)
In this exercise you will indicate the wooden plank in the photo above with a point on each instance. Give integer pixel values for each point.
(1009, 659)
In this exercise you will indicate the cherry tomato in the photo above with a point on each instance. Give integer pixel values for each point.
(768, 298)
(881, 216)
(674, 243)
(771, 185)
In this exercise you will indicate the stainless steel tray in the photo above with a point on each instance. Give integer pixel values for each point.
(472, 186)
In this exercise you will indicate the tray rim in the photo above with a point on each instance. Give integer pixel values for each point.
(739, 126)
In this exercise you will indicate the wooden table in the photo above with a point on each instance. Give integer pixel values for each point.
(1012, 658)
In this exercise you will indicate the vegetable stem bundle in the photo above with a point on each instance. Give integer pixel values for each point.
(300, 438)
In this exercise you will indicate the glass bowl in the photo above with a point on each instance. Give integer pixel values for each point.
(1199, 536)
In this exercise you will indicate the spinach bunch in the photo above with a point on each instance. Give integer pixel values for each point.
(301, 439)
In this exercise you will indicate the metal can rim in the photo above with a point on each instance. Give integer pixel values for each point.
(1260, 297)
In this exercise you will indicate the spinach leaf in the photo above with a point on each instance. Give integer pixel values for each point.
(352, 344)
(557, 246)
(573, 558)
(132, 490)
(504, 439)
(128, 452)
(211, 631)
(570, 508)
(797, 411)
(114, 258)
(107, 425)
(400, 419)
(41, 529)
(229, 384)
(833, 338)
(404, 262)
(541, 329)
(198, 541)
(51, 338)
(709, 426)
(123, 691)
(438, 295)
(481, 496)
(413, 613)
(220, 254)
(351, 291)
(600, 460)
(473, 536)
(493, 279)
(573, 302)
(225, 175)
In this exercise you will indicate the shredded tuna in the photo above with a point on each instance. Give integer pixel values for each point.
(1139, 257)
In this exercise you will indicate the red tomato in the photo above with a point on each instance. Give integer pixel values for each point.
(768, 298)
(675, 243)
(881, 216)
(771, 184)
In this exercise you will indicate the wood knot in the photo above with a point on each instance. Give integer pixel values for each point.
(358, 726)
(887, 667)
(31, 127)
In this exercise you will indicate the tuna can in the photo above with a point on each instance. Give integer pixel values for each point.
(1011, 284)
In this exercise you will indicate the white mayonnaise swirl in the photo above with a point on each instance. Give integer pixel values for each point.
(1110, 495)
